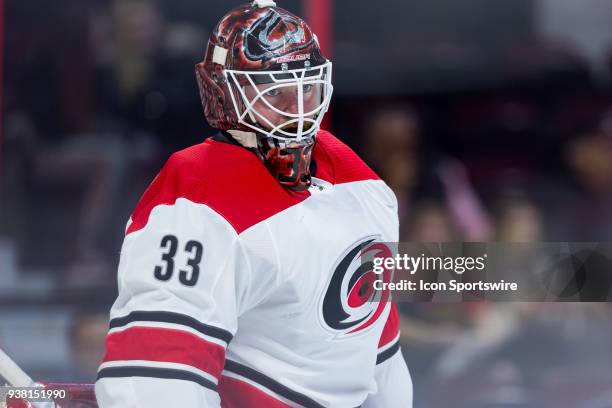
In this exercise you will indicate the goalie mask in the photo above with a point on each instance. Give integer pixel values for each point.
(264, 80)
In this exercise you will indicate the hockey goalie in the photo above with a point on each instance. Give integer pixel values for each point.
(240, 281)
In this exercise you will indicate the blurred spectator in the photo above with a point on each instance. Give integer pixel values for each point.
(393, 147)
(126, 44)
(145, 92)
(518, 219)
(590, 160)
(430, 222)
(578, 205)
(145, 70)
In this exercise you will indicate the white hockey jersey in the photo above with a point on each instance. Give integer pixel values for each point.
(236, 292)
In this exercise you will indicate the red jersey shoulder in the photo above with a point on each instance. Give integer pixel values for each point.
(337, 163)
(227, 178)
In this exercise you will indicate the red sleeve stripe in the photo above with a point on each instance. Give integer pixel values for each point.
(165, 345)
(172, 318)
(162, 325)
(391, 329)
(389, 344)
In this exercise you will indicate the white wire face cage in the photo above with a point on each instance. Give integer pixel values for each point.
(287, 105)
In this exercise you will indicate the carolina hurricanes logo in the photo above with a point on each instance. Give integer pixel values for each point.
(350, 304)
(273, 36)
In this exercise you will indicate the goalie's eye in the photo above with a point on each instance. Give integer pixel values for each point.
(308, 88)
(272, 92)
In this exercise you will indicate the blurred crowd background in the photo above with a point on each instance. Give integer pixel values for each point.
(489, 120)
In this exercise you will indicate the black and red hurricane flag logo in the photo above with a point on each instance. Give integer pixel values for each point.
(273, 36)
(351, 304)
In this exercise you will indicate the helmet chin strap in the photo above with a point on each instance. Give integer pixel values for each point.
(247, 139)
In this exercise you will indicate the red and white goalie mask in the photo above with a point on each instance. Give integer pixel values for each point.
(264, 80)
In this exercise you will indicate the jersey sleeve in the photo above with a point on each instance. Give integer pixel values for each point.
(183, 281)
(393, 381)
